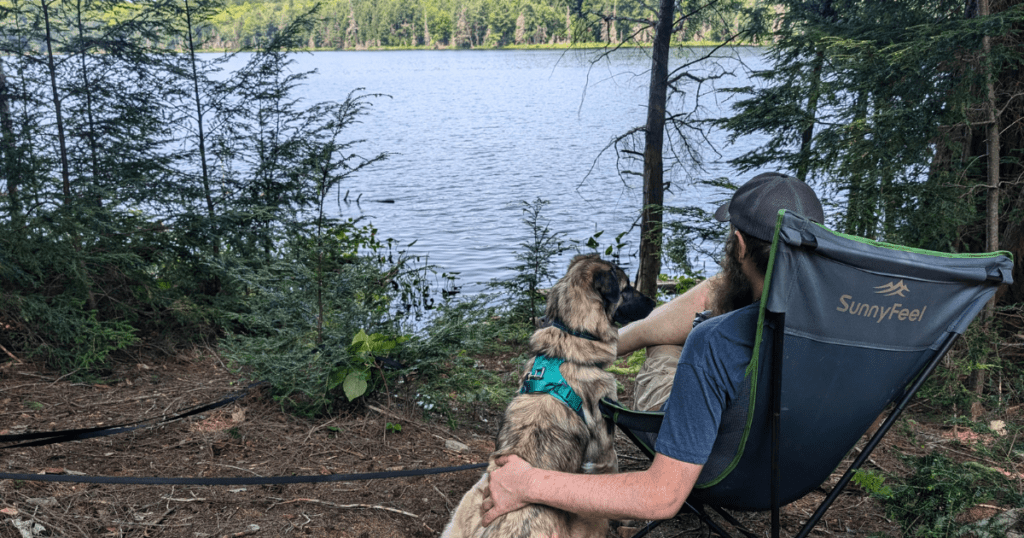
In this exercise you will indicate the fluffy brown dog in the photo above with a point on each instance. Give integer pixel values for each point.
(547, 431)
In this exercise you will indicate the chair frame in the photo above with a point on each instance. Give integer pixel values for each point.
(778, 320)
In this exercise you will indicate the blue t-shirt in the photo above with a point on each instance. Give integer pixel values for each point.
(711, 369)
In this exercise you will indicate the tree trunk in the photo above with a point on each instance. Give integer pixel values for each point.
(812, 112)
(654, 172)
(8, 158)
(860, 207)
(65, 173)
(992, 209)
(826, 11)
(91, 131)
(426, 29)
(199, 123)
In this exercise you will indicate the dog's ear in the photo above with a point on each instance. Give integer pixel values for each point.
(606, 284)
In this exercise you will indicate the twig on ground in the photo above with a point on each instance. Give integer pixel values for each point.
(447, 502)
(20, 386)
(315, 429)
(11, 355)
(384, 412)
(230, 467)
(69, 374)
(34, 375)
(161, 519)
(126, 400)
(253, 529)
(871, 460)
(973, 456)
(347, 506)
(413, 422)
(144, 524)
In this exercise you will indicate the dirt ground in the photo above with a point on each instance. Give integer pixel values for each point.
(253, 437)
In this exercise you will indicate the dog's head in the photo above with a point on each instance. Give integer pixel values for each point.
(593, 293)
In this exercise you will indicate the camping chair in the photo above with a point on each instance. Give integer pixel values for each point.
(847, 327)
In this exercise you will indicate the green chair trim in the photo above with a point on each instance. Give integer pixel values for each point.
(752, 367)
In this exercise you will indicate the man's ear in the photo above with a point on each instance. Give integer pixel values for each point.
(741, 243)
(606, 284)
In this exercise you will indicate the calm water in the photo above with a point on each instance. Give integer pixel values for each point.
(473, 133)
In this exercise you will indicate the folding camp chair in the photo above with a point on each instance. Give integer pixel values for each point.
(847, 326)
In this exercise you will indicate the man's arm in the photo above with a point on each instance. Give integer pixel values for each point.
(656, 493)
(670, 323)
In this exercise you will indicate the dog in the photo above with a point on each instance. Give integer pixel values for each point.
(566, 434)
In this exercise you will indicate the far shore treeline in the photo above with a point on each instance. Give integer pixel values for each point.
(228, 25)
(454, 24)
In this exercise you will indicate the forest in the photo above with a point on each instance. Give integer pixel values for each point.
(440, 24)
(363, 24)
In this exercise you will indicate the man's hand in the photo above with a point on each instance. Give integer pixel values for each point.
(505, 488)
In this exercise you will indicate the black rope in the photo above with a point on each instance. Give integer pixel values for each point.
(63, 436)
(235, 481)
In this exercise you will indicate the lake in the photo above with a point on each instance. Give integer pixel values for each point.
(473, 133)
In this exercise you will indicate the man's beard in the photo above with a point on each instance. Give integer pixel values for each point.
(734, 289)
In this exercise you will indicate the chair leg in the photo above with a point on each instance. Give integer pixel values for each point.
(706, 519)
(734, 522)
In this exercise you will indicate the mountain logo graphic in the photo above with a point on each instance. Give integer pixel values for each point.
(893, 288)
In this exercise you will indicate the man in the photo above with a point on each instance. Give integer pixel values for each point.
(693, 389)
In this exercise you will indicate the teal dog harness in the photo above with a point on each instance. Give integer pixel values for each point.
(546, 377)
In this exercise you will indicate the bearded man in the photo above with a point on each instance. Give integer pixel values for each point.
(692, 373)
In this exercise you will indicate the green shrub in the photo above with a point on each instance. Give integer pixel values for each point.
(873, 483)
(67, 300)
(448, 377)
(354, 375)
(317, 318)
(947, 387)
(940, 489)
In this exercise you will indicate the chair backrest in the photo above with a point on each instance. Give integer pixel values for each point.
(862, 320)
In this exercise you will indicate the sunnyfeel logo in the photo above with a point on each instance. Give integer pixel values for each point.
(882, 312)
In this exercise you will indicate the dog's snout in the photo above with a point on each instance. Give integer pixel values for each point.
(635, 306)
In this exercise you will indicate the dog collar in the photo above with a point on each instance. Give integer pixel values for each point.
(579, 334)
(546, 377)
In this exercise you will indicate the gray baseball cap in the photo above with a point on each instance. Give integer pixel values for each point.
(755, 206)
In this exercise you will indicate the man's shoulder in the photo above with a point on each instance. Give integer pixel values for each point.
(739, 321)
